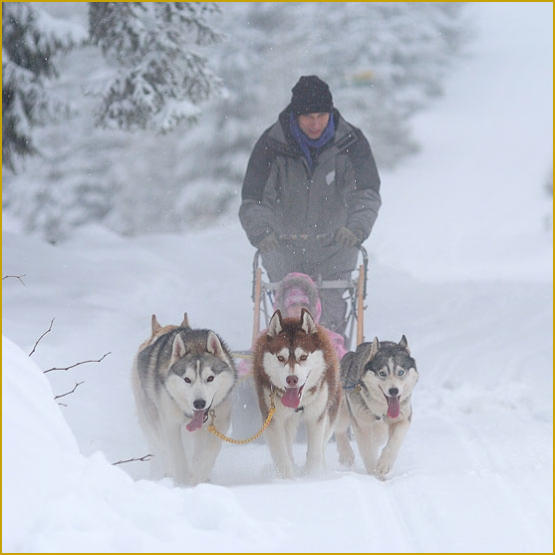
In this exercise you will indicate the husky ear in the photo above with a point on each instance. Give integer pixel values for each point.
(307, 322)
(155, 324)
(178, 349)
(185, 323)
(374, 348)
(275, 326)
(404, 343)
(214, 346)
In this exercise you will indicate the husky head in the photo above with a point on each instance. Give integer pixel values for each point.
(293, 358)
(389, 369)
(200, 375)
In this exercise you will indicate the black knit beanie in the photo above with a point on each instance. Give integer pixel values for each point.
(311, 95)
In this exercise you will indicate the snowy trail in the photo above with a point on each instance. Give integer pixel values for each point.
(478, 454)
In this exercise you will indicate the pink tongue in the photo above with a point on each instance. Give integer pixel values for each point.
(197, 421)
(291, 397)
(393, 407)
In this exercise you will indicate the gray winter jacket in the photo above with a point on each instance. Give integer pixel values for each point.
(282, 194)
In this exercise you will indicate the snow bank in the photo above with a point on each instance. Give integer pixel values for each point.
(54, 499)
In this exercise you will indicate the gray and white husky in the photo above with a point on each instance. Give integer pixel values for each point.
(178, 376)
(378, 380)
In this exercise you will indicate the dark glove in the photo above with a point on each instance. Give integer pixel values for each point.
(269, 243)
(346, 238)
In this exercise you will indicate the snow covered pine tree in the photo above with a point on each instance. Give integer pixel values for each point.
(30, 41)
(159, 80)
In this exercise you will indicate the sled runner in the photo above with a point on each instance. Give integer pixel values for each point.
(263, 295)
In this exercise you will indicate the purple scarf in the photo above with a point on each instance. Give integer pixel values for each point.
(305, 143)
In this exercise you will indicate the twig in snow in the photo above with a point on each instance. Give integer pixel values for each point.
(77, 364)
(145, 458)
(16, 277)
(37, 342)
(68, 392)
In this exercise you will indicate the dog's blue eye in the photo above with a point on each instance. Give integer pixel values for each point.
(382, 374)
(401, 372)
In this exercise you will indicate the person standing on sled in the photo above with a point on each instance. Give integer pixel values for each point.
(311, 194)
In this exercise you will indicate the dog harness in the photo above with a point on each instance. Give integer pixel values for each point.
(357, 388)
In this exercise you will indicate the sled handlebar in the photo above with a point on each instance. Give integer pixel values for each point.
(305, 237)
(299, 237)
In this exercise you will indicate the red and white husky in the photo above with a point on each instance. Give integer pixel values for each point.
(296, 365)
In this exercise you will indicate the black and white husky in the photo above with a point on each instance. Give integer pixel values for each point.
(179, 376)
(378, 380)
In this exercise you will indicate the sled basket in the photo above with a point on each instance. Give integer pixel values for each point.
(263, 296)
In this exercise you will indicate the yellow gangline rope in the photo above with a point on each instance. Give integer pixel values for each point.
(212, 429)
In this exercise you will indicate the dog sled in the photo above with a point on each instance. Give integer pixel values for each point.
(354, 287)
(263, 295)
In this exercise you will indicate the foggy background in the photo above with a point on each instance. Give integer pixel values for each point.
(125, 138)
(171, 156)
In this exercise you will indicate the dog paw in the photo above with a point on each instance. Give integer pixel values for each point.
(197, 479)
(286, 472)
(313, 470)
(383, 467)
(347, 458)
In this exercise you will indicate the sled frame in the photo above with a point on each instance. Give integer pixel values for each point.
(355, 287)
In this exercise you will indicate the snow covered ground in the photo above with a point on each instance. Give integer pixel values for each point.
(460, 262)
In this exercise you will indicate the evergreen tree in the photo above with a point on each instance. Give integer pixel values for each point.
(160, 78)
(215, 153)
(31, 39)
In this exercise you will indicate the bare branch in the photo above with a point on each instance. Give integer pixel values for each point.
(78, 363)
(145, 458)
(37, 341)
(68, 392)
(16, 277)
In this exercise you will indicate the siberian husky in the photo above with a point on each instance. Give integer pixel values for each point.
(178, 376)
(295, 367)
(378, 380)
